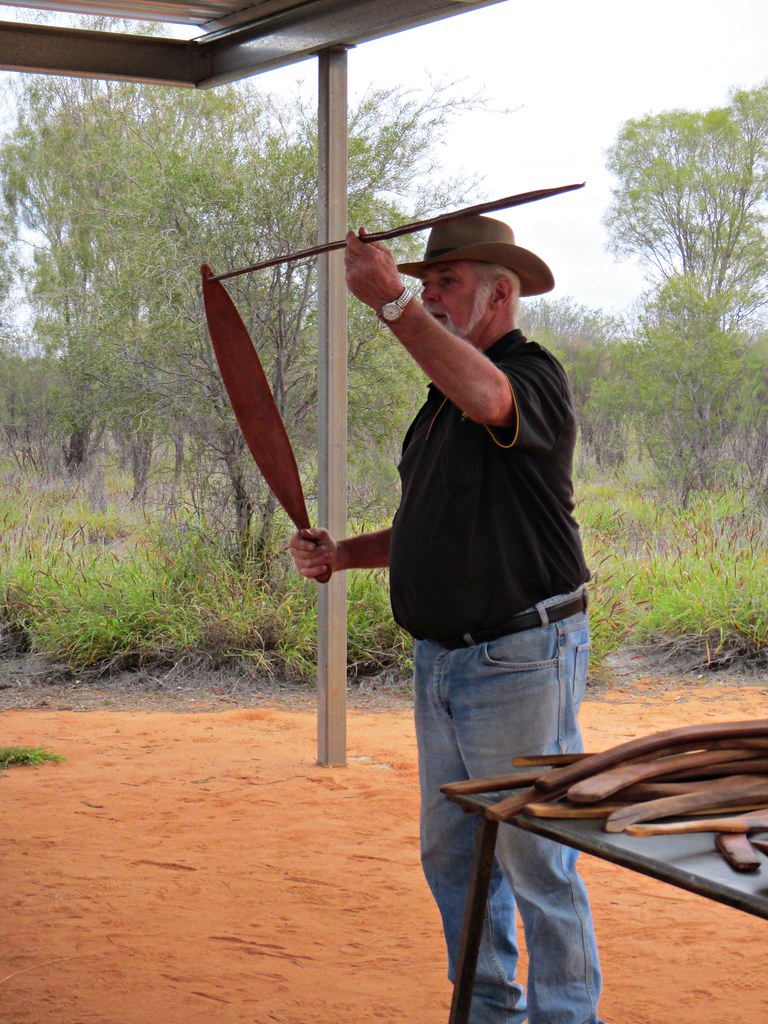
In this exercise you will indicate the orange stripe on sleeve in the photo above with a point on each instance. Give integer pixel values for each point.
(513, 442)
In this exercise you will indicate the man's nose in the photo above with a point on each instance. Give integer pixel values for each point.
(430, 292)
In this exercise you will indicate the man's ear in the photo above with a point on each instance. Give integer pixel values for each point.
(502, 292)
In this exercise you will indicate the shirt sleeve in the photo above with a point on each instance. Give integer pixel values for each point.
(542, 401)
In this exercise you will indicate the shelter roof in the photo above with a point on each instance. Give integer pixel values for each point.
(230, 39)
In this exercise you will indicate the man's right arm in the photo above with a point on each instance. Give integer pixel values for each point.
(315, 551)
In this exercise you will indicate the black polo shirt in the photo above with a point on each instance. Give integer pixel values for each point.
(485, 526)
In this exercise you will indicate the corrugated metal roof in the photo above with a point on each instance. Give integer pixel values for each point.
(236, 39)
(173, 11)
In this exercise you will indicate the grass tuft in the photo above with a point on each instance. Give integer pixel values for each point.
(26, 755)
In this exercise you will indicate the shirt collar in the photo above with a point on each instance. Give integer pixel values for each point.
(505, 345)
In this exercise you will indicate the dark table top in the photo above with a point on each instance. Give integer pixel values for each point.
(689, 861)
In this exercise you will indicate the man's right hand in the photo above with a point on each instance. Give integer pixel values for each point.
(314, 552)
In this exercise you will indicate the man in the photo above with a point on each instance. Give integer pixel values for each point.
(487, 573)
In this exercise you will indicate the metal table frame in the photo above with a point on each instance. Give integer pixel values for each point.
(688, 861)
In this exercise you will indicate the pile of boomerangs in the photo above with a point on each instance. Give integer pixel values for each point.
(708, 778)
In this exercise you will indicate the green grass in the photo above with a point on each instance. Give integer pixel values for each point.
(26, 755)
(108, 588)
(690, 583)
(100, 592)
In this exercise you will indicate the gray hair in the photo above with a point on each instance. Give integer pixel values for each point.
(489, 273)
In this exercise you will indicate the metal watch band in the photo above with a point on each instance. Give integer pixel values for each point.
(390, 311)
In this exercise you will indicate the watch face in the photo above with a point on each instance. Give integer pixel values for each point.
(392, 311)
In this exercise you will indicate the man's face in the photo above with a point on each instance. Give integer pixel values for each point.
(454, 295)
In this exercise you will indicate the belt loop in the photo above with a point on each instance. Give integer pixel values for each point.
(467, 638)
(542, 614)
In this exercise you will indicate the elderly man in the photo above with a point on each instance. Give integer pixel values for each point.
(487, 573)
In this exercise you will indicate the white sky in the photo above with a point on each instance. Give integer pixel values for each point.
(572, 73)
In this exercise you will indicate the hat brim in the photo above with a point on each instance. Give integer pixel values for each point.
(535, 276)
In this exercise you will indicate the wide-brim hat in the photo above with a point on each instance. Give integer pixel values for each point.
(487, 241)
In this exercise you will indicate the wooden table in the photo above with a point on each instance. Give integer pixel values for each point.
(687, 861)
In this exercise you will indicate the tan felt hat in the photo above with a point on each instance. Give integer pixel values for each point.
(487, 241)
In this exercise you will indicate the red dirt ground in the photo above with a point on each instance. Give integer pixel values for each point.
(200, 867)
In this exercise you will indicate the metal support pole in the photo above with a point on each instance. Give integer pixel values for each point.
(332, 403)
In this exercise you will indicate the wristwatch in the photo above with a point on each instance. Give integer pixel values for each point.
(392, 311)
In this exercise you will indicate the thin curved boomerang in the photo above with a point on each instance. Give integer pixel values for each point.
(407, 229)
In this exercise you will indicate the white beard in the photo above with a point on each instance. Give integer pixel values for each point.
(478, 311)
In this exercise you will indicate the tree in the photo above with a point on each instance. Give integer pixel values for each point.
(127, 189)
(690, 199)
(689, 387)
(51, 191)
(691, 204)
(750, 441)
(28, 392)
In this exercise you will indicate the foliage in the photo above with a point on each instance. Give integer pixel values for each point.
(30, 386)
(118, 192)
(690, 199)
(690, 202)
(689, 583)
(126, 189)
(104, 591)
(107, 589)
(27, 755)
(689, 377)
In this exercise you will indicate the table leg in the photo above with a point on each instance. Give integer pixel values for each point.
(474, 916)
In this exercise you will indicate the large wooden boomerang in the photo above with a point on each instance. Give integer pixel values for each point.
(252, 401)
(243, 375)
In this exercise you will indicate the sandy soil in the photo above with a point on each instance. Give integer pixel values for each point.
(200, 867)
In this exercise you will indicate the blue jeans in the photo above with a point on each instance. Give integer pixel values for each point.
(476, 708)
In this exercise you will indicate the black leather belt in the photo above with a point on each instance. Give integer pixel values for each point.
(528, 620)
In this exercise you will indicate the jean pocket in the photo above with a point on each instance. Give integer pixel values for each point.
(580, 670)
(529, 651)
